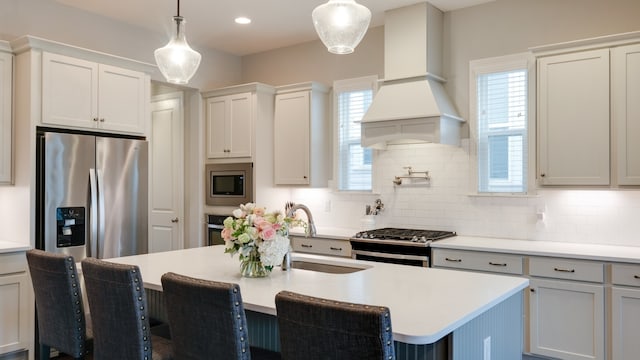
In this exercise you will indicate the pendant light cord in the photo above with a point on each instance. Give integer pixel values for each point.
(178, 7)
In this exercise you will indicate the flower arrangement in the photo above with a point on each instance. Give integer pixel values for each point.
(258, 236)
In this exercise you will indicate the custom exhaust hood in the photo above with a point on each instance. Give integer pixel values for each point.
(411, 105)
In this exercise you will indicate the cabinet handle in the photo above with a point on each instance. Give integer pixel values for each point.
(532, 290)
(453, 260)
(564, 270)
(306, 246)
(304, 177)
(335, 248)
(636, 276)
(497, 264)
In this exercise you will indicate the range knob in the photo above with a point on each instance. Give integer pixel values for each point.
(372, 236)
(414, 239)
(423, 239)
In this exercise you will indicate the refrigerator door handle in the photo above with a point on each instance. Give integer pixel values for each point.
(101, 212)
(93, 211)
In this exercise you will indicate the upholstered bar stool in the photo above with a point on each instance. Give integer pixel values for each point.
(207, 320)
(60, 312)
(313, 328)
(118, 306)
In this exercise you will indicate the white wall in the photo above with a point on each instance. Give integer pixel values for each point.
(497, 28)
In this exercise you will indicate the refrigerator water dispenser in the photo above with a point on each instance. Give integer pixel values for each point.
(70, 223)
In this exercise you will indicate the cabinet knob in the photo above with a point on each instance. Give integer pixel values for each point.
(95, 119)
(532, 290)
(175, 220)
(101, 119)
(542, 175)
(304, 177)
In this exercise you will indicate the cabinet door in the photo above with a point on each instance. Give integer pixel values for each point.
(240, 126)
(121, 99)
(625, 92)
(6, 138)
(573, 112)
(625, 323)
(229, 126)
(15, 332)
(566, 319)
(69, 91)
(291, 138)
(216, 123)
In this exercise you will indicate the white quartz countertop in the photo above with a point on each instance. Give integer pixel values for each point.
(8, 246)
(425, 303)
(599, 252)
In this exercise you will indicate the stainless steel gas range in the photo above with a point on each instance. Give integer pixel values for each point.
(397, 246)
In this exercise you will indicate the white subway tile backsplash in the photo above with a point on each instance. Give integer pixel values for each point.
(581, 216)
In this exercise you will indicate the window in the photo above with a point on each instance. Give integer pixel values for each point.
(500, 121)
(352, 98)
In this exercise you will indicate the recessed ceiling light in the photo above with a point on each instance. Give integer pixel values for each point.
(243, 20)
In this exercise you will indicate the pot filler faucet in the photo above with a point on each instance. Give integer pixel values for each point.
(291, 209)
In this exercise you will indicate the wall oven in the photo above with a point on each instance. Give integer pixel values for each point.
(229, 184)
(397, 246)
(214, 229)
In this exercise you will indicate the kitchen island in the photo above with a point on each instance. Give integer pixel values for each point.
(435, 312)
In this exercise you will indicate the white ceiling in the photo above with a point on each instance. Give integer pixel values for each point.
(276, 23)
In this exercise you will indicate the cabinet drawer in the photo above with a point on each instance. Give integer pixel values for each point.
(321, 246)
(480, 261)
(625, 274)
(12, 263)
(566, 269)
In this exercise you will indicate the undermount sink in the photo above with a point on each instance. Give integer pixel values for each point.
(325, 268)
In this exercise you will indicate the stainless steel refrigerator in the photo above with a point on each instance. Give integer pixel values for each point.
(92, 195)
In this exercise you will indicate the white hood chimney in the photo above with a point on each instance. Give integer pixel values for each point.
(411, 105)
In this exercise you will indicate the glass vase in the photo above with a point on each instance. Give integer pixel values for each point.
(252, 267)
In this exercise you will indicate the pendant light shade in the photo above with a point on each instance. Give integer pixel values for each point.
(341, 24)
(177, 61)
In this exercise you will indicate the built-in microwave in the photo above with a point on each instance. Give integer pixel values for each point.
(229, 184)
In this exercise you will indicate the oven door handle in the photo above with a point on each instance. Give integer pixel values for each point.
(214, 226)
(390, 256)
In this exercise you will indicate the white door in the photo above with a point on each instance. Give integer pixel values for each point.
(166, 173)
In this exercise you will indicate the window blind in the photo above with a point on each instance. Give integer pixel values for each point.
(502, 131)
(354, 162)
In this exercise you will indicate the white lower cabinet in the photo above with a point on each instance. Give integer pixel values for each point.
(566, 310)
(478, 261)
(16, 330)
(566, 319)
(625, 312)
(322, 246)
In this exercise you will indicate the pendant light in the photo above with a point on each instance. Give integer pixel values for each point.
(177, 61)
(341, 24)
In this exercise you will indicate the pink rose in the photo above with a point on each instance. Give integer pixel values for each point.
(259, 211)
(268, 233)
(226, 234)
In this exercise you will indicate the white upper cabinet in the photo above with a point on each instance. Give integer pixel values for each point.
(302, 136)
(229, 126)
(573, 114)
(6, 131)
(238, 118)
(84, 94)
(625, 111)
